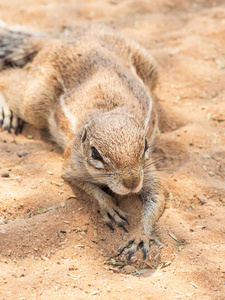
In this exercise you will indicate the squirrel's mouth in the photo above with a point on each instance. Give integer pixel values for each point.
(106, 189)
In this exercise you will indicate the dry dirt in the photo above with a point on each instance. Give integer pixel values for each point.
(54, 246)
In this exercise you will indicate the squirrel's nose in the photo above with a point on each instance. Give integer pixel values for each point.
(132, 180)
(132, 183)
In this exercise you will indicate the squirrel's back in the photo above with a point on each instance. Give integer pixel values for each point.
(94, 69)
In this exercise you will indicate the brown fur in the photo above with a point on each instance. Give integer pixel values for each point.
(93, 90)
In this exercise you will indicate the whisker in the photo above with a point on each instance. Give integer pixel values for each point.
(93, 178)
(153, 162)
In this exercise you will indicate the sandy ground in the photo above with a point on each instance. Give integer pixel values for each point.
(54, 246)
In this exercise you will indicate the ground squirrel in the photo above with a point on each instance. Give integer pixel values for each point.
(92, 91)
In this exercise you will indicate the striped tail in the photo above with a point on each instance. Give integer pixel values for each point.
(17, 48)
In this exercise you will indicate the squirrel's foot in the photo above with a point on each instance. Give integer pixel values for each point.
(110, 212)
(8, 119)
(143, 242)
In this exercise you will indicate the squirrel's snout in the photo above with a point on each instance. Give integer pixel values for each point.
(131, 183)
(132, 180)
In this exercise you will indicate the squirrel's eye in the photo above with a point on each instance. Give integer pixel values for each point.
(95, 154)
(146, 145)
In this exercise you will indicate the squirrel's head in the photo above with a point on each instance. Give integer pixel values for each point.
(114, 150)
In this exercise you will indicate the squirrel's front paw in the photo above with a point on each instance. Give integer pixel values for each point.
(110, 212)
(142, 242)
(8, 119)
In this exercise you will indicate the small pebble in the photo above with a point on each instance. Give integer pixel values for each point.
(7, 221)
(202, 201)
(5, 175)
(134, 258)
(84, 228)
(63, 231)
(8, 151)
(22, 154)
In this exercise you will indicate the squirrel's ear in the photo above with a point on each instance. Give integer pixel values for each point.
(84, 136)
(144, 64)
(145, 67)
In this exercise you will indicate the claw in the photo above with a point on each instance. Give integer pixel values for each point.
(122, 225)
(110, 225)
(112, 214)
(134, 245)
(146, 247)
(116, 220)
(122, 217)
(145, 251)
(15, 130)
(20, 126)
(131, 252)
(126, 246)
